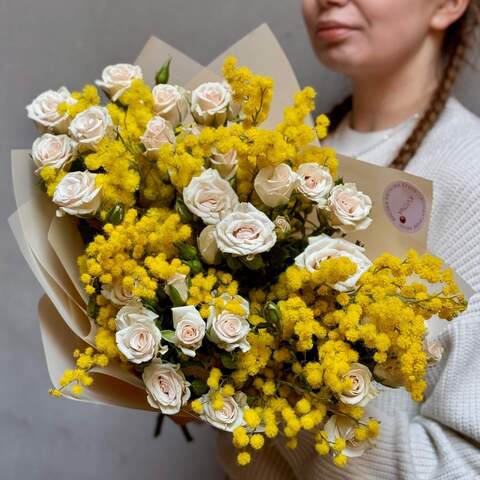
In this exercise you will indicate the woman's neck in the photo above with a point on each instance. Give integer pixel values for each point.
(382, 101)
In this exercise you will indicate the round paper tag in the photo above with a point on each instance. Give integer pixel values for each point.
(405, 206)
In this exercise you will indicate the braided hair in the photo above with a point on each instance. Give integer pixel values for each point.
(458, 39)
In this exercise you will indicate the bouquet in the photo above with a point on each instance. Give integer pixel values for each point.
(217, 262)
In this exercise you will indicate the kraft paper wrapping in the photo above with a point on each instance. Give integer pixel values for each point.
(51, 245)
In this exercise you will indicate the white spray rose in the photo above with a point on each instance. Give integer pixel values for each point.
(44, 110)
(229, 417)
(314, 182)
(137, 337)
(228, 330)
(349, 208)
(434, 350)
(225, 164)
(157, 133)
(116, 79)
(322, 247)
(91, 126)
(210, 103)
(171, 102)
(245, 231)
(209, 196)
(167, 388)
(362, 390)
(339, 426)
(207, 245)
(117, 293)
(77, 194)
(274, 185)
(189, 329)
(192, 129)
(282, 225)
(55, 151)
(179, 282)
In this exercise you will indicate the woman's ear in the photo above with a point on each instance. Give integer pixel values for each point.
(448, 12)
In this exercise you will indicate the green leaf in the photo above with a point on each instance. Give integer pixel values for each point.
(175, 297)
(163, 74)
(228, 361)
(339, 181)
(195, 266)
(186, 251)
(92, 307)
(233, 262)
(168, 335)
(233, 182)
(262, 325)
(255, 264)
(150, 304)
(115, 214)
(272, 313)
(199, 387)
(186, 215)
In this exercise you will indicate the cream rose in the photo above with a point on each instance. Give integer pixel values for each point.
(55, 151)
(210, 103)
(274, 185)
(117, 293)
(339, 426)
(91, 126)
(349, 208)
(157, 133)
(179, 282)
(362, 390)
(225, 164)
(434, 350)
(209, 196)
(167, 388)
(171, 102)
(77, 194)
(116, 79)
(228, 330)
(229, 417)
(207, 245)
(323, 247)
(137, 337)
(282, 227)
(314, 182)
(189, 329)
(44, 110)
(245, 231)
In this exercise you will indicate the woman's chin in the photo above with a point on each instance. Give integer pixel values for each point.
(340, 60)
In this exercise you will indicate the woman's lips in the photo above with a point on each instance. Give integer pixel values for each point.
(330, 32)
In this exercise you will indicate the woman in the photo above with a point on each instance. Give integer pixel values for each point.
(403, 57)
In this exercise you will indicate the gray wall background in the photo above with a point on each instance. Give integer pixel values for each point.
(48, 43)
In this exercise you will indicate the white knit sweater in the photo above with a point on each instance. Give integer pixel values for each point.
(440, 438)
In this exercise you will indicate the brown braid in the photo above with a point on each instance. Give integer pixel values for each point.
(458, 39)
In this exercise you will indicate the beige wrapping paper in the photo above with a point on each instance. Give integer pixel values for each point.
(51, 245)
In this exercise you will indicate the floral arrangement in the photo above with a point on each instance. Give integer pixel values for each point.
(216, 262)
